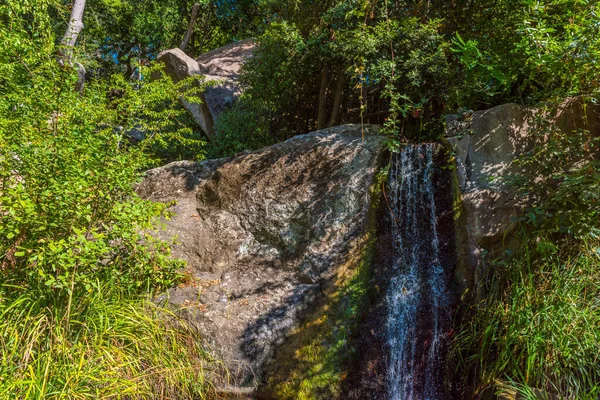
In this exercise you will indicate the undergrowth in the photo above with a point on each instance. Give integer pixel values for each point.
(103, 347)
(538, 329)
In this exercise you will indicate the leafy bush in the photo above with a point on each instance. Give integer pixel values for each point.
(68, 213)
(242, 127)
(153, 109)
(69, 216)
(74, 255)
(279, 80)
(528, 51)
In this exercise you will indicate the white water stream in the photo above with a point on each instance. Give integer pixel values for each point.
(418, 304)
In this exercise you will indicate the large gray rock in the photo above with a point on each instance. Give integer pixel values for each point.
(227, 61)
(179, 67)
(487, 143)
(220, 68)
(262, 232)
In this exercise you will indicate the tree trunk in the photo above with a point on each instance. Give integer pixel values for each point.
(322, 115)
(193, 45)
(67, 44)
(75, 25)
(129, 71)
(190, 29)
(337, 99)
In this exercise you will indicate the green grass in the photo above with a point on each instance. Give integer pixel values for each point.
(538, 329)
(104, 347)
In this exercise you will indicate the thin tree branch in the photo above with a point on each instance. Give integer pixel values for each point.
(67, 44)
(190, 29)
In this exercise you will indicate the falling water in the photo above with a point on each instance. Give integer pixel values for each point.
(418, 318)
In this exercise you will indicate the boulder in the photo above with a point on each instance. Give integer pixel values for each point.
(220, 68)
(262, 233)
(227, 61)
(179, 66)
(487, 143)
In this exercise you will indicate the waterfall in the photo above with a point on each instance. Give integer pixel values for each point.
(418, 319)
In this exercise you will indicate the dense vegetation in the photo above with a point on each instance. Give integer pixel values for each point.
(404, 64)
(76, 267)
(78, 270)
(534, 326)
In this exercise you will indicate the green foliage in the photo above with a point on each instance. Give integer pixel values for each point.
(407, 63)
(242, 127)
(394, 66)
(560, 177)
(416, 78)
(100, 346)
(69, 216)
(530, 50)
(275, 77)
(153, 108)
(130, 28)
(74, 250)
(537, 327)
(122, 35)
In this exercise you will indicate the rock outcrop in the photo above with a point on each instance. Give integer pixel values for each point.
(262, 233)
(486, 144)
(220, 68)
(223, 65)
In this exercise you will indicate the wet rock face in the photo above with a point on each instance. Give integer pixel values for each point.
(261, 233)
(369, 376)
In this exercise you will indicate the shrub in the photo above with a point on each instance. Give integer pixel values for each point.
(242, 127)
(74, 255)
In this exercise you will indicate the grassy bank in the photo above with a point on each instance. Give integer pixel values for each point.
(101, 346)
(537, 331)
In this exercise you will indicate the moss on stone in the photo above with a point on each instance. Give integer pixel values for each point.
(463, 275)
(313, 362)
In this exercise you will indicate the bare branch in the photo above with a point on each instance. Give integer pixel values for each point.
(65, 54)
(190, 30)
